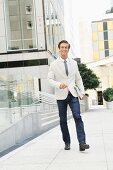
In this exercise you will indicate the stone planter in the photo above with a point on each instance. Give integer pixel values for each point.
(109, 105)
(84, 104)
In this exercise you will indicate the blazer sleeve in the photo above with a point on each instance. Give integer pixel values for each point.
(78, 80)
(51, 77)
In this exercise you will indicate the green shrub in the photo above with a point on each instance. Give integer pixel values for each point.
(108, 94)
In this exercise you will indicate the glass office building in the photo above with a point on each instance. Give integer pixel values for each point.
(29, 34)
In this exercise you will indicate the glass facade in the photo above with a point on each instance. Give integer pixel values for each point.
(102, 37)
(20, 82)
(22, 27)
(20, 24)
(54, 27)
(23, 73)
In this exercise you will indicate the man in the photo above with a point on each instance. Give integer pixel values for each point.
(63, 73)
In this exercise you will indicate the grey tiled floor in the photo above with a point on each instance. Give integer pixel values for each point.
(46, 152)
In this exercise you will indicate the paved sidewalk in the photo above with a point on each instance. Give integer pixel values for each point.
(46, 152)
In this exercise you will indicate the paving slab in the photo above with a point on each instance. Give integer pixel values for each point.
(46, 152)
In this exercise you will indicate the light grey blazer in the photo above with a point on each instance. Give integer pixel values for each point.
(57, 75)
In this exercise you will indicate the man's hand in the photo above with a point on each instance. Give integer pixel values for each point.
(82, 98)
(62, 86)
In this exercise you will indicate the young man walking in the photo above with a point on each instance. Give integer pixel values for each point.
(63, 73)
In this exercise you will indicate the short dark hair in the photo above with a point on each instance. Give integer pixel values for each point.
(63, 41)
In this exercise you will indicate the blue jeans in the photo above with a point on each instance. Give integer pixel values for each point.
(74, 104)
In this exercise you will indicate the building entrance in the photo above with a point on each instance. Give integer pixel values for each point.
(99, 97)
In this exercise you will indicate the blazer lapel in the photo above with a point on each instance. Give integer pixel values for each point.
(71, 68)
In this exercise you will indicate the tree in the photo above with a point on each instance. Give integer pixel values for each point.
(90, 80)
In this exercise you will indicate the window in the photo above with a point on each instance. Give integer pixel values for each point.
(29, 25)
(110, 52)
(39, 82)
(28, 9)
(110, 25)
(106, 35)
(110, 35)
(106, 53)
(106, 44)
(105, 26)
(100, 35)
(101, 45)
(102, 54)
(95, 45)
(95, 36)
(24, 63)
(21, 33)
(110, 44)
(100, 26)
(54, 29)
(94, 27)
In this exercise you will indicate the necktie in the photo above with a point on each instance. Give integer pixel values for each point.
(66, 67)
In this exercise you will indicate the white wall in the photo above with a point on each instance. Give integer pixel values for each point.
(85, 41)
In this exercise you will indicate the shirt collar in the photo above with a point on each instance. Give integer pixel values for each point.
(67, 59)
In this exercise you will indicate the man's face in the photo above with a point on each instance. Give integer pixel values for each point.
(64, 49)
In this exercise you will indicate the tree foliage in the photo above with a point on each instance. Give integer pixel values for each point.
(90, 80)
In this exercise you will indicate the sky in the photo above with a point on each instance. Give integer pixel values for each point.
(92, 7)
(89, 9)
(78, 10)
